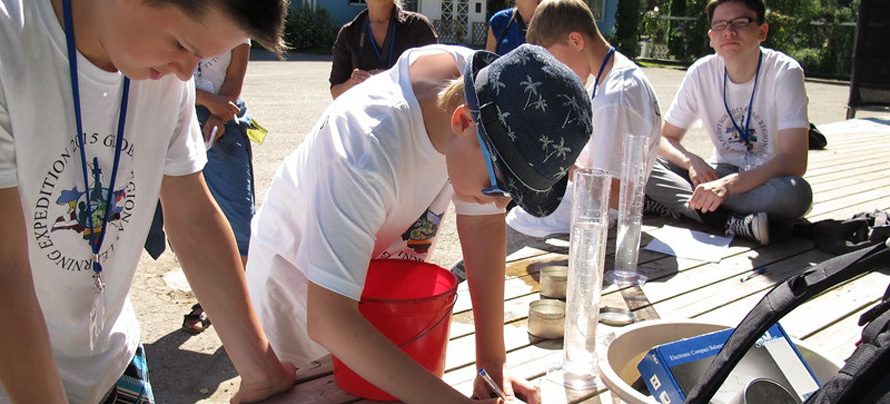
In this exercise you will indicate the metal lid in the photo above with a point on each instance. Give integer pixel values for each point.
(616, 316)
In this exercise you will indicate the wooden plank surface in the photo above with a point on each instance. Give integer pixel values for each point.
(849, 177)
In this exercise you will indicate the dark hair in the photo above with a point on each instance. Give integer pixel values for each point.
(555, 19)
(262, 20)
(756, 6)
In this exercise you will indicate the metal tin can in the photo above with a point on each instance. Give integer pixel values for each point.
(553, 281)
(547, 318)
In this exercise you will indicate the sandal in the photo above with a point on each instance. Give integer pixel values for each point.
(191, 321)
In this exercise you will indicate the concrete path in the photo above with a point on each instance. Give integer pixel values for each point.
(287, 98)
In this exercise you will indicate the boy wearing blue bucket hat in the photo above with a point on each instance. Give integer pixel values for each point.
(373, 180)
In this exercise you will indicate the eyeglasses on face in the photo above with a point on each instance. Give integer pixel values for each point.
(737, 23)
(496, 190)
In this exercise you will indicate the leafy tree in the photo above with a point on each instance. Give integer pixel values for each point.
(688, 39)
(497, 5)
(628, 20)
(310, 29)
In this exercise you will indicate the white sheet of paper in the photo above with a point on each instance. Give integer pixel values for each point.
(685, 243)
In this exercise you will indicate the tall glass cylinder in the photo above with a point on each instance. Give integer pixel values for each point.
(634, 172)
(590, 224)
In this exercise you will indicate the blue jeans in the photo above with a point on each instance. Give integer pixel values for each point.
(229, 175)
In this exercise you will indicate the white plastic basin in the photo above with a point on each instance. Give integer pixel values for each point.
(618, 368)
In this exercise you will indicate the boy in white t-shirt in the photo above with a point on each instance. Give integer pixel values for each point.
(623, 103)
(86, 152)
(444, 124)
(753, 104)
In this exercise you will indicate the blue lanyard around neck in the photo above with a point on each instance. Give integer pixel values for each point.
(392, 41)
(602, 68)
(744, 134)
(95, 241)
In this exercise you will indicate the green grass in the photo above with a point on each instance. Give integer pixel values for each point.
(661, 64)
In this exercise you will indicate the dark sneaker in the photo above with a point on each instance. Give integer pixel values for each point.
(751, 227)
(657, 208)
(459, 271)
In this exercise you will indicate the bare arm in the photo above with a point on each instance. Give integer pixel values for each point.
(483, 240)
(231, 87)
(223, 104)
(25, 350)
(671, 149)
(206, 247)
(335, 323)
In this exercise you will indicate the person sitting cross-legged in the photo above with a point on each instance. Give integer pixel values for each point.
(753, 104)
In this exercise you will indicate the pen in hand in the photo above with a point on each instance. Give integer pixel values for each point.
(492, 385)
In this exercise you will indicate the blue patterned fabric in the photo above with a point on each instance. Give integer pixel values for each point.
(534, 116)
(133, 387)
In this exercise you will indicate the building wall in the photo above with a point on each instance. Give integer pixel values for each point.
(606, 22)
(343, 11)
(476, 12)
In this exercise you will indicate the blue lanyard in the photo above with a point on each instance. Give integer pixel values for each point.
(744, 134)
(392, 41)
(95, 242)
(602, 67)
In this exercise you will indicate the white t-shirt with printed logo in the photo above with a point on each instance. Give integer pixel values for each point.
(624, 103)
(780, 102)
(39, 155)
(211, 72)
(366, 183)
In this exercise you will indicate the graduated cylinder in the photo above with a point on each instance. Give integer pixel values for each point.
(586, 258)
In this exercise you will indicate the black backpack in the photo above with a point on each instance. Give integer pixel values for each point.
(864, 229)
(865, 378)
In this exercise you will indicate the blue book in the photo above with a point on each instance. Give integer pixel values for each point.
(672, 369)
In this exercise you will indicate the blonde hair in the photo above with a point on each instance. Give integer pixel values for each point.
(452, 95)
(554, 20)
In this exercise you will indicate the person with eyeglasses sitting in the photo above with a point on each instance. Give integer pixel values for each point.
(373, 180)
(753, 104)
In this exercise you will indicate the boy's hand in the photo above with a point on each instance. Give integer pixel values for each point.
(700, 171)
(512, 387)
(708, 196)
(213, 121)
(260, 390)
(223, 108)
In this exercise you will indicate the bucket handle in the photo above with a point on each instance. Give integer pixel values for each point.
(450, 307)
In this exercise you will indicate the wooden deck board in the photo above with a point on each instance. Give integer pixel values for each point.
(848, 177)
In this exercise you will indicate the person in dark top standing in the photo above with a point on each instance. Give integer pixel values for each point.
(374, 40)
(506, 28)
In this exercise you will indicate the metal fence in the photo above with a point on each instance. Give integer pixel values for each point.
(455, 32)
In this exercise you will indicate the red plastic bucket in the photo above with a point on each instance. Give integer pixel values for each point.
(410, 302)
